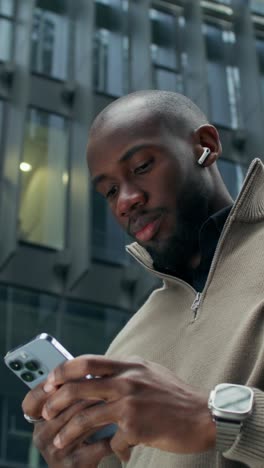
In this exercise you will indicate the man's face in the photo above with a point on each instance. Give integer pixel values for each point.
(150, 181)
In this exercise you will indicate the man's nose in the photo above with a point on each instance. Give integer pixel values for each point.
(130, 198)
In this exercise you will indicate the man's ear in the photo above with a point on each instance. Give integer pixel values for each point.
(206, 136)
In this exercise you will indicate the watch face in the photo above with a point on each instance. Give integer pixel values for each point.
(233, 398)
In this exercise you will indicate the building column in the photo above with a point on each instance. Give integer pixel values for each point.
(247, 61)
(140, 40)
(195, 73)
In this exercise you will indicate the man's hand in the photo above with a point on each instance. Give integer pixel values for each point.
(78, 453)
(150, 405)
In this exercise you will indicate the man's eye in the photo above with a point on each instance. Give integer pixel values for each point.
(143, 167)
(111, 192)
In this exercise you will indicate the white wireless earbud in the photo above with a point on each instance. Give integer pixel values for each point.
(206, 153)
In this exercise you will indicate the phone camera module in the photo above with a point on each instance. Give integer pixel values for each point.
(27, 376)
(32, 366)
(16, 365)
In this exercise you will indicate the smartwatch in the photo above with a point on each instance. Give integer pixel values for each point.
(230, 405)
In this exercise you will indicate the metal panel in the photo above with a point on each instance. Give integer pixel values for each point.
(246, 57)
(140, 40)
(195, 75)
(15, 131)
(48, 95)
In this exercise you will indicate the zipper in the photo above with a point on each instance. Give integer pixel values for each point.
(196, 304)
(200, 296)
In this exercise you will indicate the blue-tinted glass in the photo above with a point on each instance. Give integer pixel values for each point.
(24, 314)
(28, 314)
(165, 51)
(167, 80)
(50, 34)
(223, 77)
(257, 6)
(7, 7)
(5, 39)
(108, 239)
(233, 175)
(89, 328)
(111, 47)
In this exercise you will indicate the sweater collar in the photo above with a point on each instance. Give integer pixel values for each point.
(248, 208)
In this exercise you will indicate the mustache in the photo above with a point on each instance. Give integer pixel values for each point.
(139, 220)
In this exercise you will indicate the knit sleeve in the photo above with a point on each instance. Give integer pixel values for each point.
(110, 462)
(249, 446)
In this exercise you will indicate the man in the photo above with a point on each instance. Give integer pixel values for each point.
(153, 156)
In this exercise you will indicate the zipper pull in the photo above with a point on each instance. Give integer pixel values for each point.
(196, 304)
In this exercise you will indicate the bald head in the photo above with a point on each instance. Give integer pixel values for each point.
(175, 111)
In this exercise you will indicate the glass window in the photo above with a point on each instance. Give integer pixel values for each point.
(7, 7)
(111, 47)
(44, 180)
(5, 39)
(50, 34)
(108, 239)
(233, 175)
(24, 314)
(223, 77)
(165, 51)
(257, 6)
(90, 329)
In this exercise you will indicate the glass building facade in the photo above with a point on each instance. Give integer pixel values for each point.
(63, 266)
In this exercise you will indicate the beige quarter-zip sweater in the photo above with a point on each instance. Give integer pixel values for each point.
(212, 338)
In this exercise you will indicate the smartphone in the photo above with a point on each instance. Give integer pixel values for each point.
(34, 360)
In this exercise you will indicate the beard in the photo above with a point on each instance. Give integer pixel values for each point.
(174, 255)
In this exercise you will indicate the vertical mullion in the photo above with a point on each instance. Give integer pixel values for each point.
(15, 130)
(247, 61)
(140, 40)
(196, 68)
(80, 199)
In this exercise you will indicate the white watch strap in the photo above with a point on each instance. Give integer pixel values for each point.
(226, 433)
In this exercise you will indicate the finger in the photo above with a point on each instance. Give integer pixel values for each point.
(91, 390)
(44, 432)
(87, 454)
(82, 366)
(86, 423)
(34, 401)
(120, 446)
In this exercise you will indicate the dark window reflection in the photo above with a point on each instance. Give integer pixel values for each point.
(233, 175)
(50, 35)
(108, 239)
(89, 328)
(165, 51)
(223, 76)
(111, 47)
